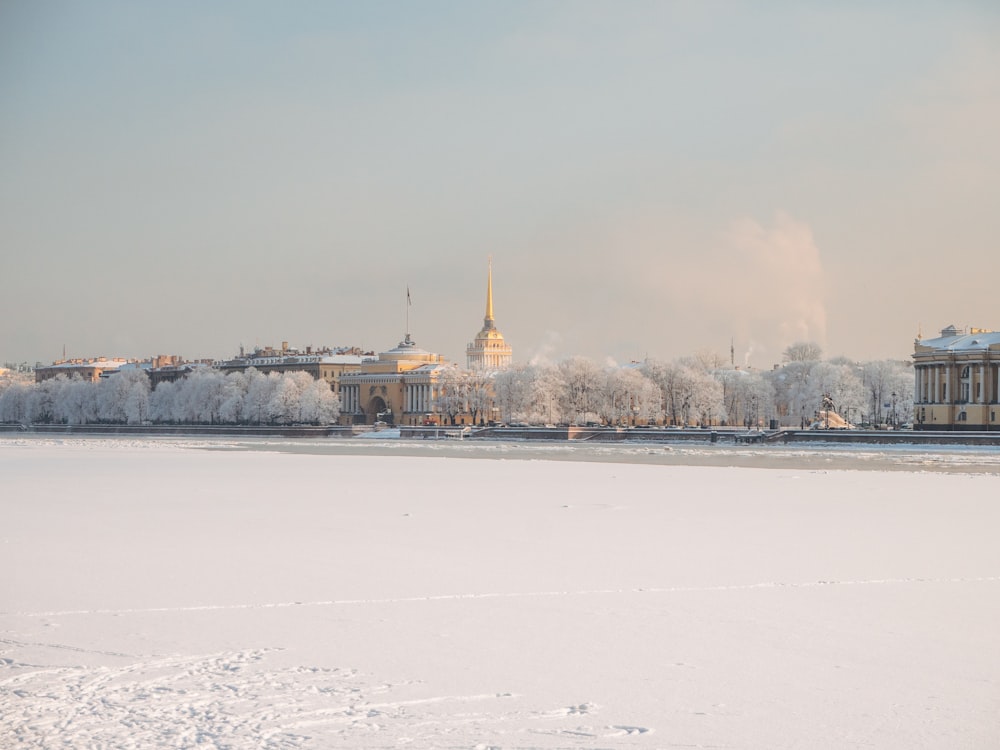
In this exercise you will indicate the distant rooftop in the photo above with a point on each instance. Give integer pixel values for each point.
(960, 339)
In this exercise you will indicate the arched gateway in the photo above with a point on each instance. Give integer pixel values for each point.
(401, 387)
(378, 411)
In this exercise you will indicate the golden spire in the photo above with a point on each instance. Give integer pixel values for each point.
(489, 296)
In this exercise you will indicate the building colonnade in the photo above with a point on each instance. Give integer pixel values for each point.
(957, 380)
(957, 383)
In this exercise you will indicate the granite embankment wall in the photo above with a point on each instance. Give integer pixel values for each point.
(574, 434)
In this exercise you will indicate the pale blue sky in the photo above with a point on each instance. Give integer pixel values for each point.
(652, 178)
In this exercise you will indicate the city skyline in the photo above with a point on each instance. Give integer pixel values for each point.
(652, 179)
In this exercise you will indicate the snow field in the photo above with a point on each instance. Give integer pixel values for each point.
(167, 596)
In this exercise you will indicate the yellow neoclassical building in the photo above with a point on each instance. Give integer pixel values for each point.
(956, 380)
(405, 385)
(489, 351)
(400, 387)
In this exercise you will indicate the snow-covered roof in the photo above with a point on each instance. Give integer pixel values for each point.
(305, 359)
(407, 347)
(425, 369)
(954, 339)
(106, 364)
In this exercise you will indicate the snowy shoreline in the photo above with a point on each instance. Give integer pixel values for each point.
(814, 456)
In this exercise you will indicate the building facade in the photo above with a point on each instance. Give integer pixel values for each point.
(88, 369)
(401, 387)
(957, 380)
(325, 364)
(489, 351)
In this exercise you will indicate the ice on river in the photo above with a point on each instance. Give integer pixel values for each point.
(200, 594)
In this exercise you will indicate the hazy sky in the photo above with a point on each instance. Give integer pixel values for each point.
(651, 178)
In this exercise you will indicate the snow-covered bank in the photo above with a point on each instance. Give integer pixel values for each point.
(160, 594)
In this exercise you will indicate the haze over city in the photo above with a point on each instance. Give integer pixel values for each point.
(651, 178)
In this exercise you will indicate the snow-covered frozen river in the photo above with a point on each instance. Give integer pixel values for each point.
(315, 594)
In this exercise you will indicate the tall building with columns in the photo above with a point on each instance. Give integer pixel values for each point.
(489, 351)
(957, 380)
(400, 387)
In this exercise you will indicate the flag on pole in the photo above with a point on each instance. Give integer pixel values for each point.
(408, 302)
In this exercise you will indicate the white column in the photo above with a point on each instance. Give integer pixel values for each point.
(982, 383)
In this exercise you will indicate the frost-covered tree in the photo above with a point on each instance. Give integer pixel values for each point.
(666, 375)
(531, 393)
(135, 406)
(163, 403)
(78, 401)
(206, 396)
(14, 403)
(795, 397)
(628, 395)
(199, 397)
(802, 351)
(706, 360)
(690, 394)
(319, 405)
(479, 399)
(511, 391)
(234, 391)
(888, 388)
(582, 382)
(451, 393)
(286, 403)
(702, 394)
(747, 397)
(260, 392)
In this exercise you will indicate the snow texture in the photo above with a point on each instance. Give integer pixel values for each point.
(247, 594)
